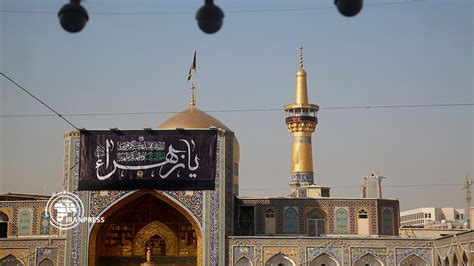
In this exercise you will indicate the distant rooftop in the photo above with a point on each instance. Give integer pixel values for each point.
(22, 197)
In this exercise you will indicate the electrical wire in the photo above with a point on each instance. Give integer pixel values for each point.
(228, 11)
(241, 110)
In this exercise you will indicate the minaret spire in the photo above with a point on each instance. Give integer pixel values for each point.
(301, 57)
(301, 121)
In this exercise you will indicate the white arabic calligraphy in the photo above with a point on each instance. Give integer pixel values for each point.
(171, 158)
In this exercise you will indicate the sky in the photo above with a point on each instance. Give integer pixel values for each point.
(128, 60)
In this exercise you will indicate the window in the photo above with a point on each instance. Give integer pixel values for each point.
(290, 221)
(269, 213)
(25, 222)
(341, 221)
(3, 229)
(3, 225)
(316, 223)
(363, 214)
(44, 225)
(387, 222)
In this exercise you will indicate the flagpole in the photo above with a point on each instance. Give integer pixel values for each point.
(191, 74)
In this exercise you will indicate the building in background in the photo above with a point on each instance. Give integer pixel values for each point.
(433, 218)
(372, 186)
(26, 235)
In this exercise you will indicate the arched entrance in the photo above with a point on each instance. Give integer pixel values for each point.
(280, 260)
(368, 260)
(146, 220)
(11, 260)
(324, 260)
(413, 260)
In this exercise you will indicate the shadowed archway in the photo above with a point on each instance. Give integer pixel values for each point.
(146, 219)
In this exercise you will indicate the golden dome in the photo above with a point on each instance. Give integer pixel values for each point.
(195, 118)
(192, 118)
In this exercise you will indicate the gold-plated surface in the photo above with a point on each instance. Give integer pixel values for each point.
(156, 228)
(193, 96)
(302, 158)
(313, 107)
(301, 95)
(195, 118)
(301, 128)
(191, 118)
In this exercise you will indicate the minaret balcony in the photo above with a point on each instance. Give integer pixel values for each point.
(301, 118)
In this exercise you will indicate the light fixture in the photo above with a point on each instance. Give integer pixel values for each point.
(349, 8)
(73, 16)
(210, 17)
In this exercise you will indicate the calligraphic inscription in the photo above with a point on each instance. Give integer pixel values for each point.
(158, 159)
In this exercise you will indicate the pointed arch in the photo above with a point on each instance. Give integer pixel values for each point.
(455, 260)
(342, 221)
(129, 198)
(368, 260)
(387, 222)
(4, 220)
(363, 222)
(244, 261)
(291, 220)
(414, 260)
(324, 259)
(446, 261)
(156, 228)
(46, 262)
(316, 222)
(11, 260)
(280, 259)
(465, 260)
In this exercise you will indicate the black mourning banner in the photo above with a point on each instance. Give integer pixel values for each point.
(157, 159)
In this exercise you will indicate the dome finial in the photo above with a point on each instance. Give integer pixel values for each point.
(301, 56)
(193, 96)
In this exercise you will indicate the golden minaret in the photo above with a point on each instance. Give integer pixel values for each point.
(301, 120)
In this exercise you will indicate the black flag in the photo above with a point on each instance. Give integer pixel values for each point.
(192, 67)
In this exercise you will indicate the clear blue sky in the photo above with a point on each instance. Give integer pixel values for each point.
(401, 54)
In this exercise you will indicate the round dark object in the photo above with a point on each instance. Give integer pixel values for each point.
(73, 17)
(349, 8)
(210, 18)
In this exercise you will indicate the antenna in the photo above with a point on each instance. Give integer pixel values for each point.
(467, 187)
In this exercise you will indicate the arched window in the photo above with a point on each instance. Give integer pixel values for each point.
(291, 220)
(25, 222)
(44, 224)
(269, 213)
(46, 262)
(3, 225)
(363, 222)
(387, 222)
(413, 260)
(316, 223)
(269, 222)
(11, 260)
(455, 260)
(368, 260)
(446, 261)
(341, 221)
(244, 261)
(464, 259)
(438, 261)
(280, 260)
(362, 214)
(324, 260)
